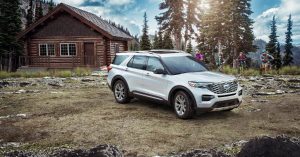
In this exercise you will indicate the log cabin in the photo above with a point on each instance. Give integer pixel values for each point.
(69, 37)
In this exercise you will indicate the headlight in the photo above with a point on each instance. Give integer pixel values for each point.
(199, 84)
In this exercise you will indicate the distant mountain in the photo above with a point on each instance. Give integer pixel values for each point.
(261, 45)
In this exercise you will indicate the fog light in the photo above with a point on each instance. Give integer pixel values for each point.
(240, 92)
(207, 97)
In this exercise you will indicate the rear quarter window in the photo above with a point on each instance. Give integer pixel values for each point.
(119, 59)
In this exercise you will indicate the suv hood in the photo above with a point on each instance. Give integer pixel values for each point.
(206, 76)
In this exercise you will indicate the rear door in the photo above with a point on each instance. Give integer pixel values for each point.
(135, 73)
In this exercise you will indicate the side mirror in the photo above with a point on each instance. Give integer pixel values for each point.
(160, 71)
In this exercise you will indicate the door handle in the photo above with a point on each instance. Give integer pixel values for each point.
(126, 69)
(147, 74)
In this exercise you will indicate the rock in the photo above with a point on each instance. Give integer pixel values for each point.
(271, 147)
(202, 153)
(294, 86)
(21, 115)
(102, 73)
(259, 100)
(24, 84)
(294, 80)
(55, 83)
(257, 86)
(4, 84)
(254, 110)
(252, 79)
(279, 92)
(87, 80)
(101, 150)
(265, 93)
(103, 83)
(20, 91)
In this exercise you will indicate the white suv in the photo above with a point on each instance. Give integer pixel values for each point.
(173, 77)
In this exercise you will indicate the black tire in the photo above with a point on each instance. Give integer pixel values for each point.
(186, 113)
(123, 96)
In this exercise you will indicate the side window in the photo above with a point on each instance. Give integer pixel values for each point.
(138, 62)
(119, 59)
(153, 64)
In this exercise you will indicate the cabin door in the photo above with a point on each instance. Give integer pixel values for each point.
(89, 57)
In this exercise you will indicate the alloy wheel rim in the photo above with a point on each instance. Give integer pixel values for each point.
(180, 104)
(120, 91)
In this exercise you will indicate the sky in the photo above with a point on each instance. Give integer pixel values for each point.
(130, 13)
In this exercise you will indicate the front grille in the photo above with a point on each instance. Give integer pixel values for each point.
(226, 103)
(224, 87)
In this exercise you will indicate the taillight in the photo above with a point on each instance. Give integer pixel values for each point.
(109, 68)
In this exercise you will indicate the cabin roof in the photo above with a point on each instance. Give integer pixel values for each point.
(94, 21)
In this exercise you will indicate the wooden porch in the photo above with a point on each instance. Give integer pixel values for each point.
(59, 62)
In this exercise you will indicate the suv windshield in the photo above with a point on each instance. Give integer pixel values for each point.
(183, 64)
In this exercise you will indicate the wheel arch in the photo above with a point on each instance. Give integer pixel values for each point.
(116, 78)
(175, 89)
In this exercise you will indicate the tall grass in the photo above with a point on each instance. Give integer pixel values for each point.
(53, 73)
(292, 70)
(288, 70)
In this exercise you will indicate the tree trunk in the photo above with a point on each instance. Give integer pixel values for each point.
(177, 42)
(10, 62)
(1, 68)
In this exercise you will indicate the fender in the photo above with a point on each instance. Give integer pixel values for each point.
(171, 93)
(119, 77)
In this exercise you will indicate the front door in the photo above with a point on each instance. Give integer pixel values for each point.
(89, 58)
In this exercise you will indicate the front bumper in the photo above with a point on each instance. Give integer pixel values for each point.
(217, 102)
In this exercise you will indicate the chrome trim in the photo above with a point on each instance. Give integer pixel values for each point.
(146, 95)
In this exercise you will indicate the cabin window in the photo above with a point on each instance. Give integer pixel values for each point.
(47, 49)
(67, 49)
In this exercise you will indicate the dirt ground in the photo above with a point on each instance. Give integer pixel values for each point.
(87, 116)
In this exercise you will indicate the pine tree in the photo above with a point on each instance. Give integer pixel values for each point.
(10, 26)
(271, 46)
(155, 42)
(172, 20)
(167, 41)
(29, 16)
(229, 23)
(160, 40)
(288, 54)
(51, 5)
(190, 20)
(189, 48)
(145, 41)
(277, 57)
(38, 10)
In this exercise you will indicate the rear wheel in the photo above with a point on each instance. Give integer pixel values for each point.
(121, 92)
(183, 105)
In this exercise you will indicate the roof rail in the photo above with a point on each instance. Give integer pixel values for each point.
(166, 51)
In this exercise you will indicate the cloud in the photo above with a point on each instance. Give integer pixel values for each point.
(93, 3)
(262, 22)
(119, 2)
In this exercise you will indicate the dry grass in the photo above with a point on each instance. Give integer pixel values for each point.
(90, 116)
(50, 73)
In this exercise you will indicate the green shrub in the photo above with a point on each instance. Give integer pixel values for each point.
(229, 70)
(4, 74)
(290, 70)
(63, 73)
(82, 71)
(250, 72)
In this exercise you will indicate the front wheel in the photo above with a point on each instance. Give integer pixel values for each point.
(183, 105)
(121, 92)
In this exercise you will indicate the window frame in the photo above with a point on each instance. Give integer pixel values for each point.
(158, 59)
(130, 63)
(68, 48)
(47, 49)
